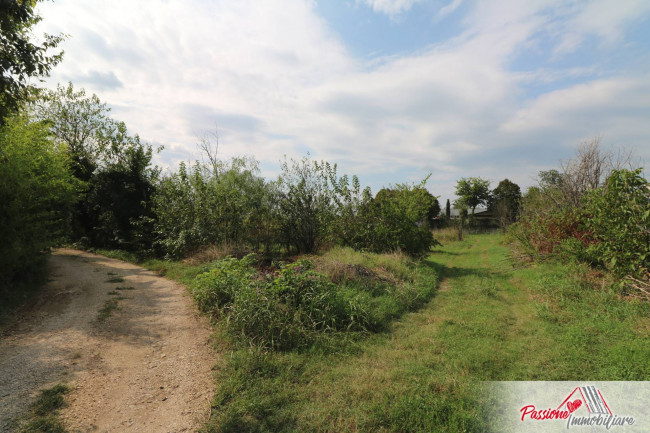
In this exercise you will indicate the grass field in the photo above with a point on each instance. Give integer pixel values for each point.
(487, 321)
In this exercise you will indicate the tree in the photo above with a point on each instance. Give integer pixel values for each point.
(114, 166)
(36, 194)
(20, 58)
(398, 218)
(504, 202)
(83, 124)
(448, 210)
(473, 191)
(305, 204)
(119, 194)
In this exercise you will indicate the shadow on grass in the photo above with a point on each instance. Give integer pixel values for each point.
(458, 271)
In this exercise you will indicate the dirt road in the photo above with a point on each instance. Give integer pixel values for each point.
(144, 366)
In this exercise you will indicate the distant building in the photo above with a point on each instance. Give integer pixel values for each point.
(479, 213)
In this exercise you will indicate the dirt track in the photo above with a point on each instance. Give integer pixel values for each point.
(146, 367)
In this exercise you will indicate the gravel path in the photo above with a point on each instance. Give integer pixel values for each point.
(146, 367)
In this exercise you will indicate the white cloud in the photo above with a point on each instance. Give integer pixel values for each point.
(604, 19)
(449, 8)
(391, 7)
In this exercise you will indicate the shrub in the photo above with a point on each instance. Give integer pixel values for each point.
(619, 217)
(197, 207)
(37, 193)
(396, 219)
(284, 310)
(218, 287)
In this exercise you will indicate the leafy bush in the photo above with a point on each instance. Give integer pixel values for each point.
(37, 192)
(283, 310)
(619, 218)
(396, 219)
(305, 204)
(218, 287)
(295, 306)
(197, 207)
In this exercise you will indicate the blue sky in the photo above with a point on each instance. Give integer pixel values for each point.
(391, 90)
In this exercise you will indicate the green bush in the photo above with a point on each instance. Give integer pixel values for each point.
(37, 193)
(396, 219)
(284, 310)
(619, 218)
(198, 206)
(218, 287)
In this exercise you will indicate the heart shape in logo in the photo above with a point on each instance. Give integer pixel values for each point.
(574, 405)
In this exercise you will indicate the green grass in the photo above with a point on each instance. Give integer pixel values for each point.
(43, 413)
(488, 321)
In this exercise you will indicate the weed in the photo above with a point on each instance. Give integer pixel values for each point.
(125, 288)
(43, 415)
(115, 280)
(107, 310)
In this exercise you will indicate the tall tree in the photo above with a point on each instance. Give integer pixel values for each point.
(448, 210)
(21, 58)
(505, 201)
(83, 124)
(473, 191)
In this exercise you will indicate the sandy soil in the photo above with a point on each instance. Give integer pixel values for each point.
(145, 368)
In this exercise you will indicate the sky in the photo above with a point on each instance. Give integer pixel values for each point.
(390, 90)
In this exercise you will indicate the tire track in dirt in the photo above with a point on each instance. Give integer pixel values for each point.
(146, 367)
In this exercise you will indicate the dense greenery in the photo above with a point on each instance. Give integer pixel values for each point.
(293, 305)
(591, 213)
(37, 192)
(619, 223)
(489, 321)
(504, 202)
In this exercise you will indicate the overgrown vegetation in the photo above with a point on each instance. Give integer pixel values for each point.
(594, 210)
(292, 306)
(37, 192)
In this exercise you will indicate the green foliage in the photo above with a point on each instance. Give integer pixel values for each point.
(21, 58)
(396, 219)
(608, 228)
(504, 202)
(280, 311)
(473, 191)
(83, 124)
(116, 210)
(197, 207)
(37, 192)
(119, 199)
(305, 203)
(218, 287)
(619, 219)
